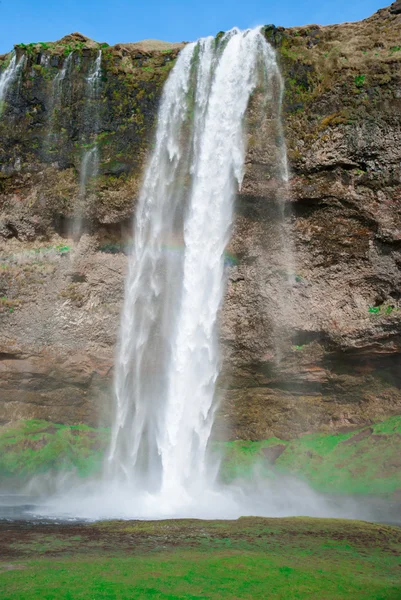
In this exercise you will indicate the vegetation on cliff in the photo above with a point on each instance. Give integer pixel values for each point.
(365, 461)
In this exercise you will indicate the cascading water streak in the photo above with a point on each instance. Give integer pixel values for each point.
(168, 360)
(56, 103)
(90, 157)
(8, 76)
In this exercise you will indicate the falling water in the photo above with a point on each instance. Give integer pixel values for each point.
(58, 81)
(56, 102)
(89, 166)
(90, 154)
(168, 360)
(90, 157)
(8, 76)
(45, 60)
(93, 78)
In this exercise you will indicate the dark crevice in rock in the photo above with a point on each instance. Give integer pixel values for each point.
(306, 206)
(324, 168)
(388, 244)
(302, 338)
(395, 8)
(9, 356)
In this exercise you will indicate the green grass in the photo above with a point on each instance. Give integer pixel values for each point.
(33, 447)
(343, 463)
(246, 559)
(371, 465)
(359, 80)
(329, 463)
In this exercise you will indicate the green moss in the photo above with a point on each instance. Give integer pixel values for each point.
(27, 48)
(359, 80)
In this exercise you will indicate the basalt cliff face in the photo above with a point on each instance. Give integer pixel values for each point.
(326, 356)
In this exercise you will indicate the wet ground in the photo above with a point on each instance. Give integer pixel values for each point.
(250, 558)
(56, 538)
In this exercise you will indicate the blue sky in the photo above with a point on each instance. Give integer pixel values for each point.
(115, 21)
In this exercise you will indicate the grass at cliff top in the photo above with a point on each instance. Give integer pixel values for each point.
(251, 558)
(366, 461)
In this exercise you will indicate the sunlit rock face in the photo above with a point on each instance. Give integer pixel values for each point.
(326, 357)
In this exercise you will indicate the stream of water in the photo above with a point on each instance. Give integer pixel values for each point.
(90, 156)
(8, 77)
(56, 103)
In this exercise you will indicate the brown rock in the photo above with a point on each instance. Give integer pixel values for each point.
(395, 8)
(365, 433)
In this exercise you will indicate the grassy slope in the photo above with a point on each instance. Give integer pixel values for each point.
(248, 559)
(346, 463)
(31, 447)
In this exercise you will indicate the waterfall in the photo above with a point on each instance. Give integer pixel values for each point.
(90, 154)
(94, 76)
(8, 76)
(168, 359)
(90, 158)
(89, 165)
(56, 101)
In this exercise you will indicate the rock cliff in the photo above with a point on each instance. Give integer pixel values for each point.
(319, 352)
